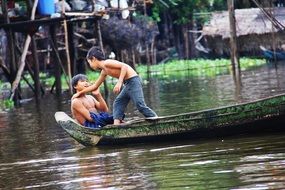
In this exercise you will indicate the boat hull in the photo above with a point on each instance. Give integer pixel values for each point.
(273, 55)
(261, 115)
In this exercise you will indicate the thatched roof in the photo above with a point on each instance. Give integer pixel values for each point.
(248, 21)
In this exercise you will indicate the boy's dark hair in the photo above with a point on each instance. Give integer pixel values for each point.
(95, 52)
(77, 78)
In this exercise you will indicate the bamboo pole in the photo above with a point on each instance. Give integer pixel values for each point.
(67, 48)
(23, 56)
(273, 33)
(234, 47)
(99, 34)
(233, 37)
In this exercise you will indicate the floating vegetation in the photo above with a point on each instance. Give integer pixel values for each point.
(6, 104)
(198, 67)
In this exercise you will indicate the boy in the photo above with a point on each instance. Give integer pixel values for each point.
(87, 110)
(131, 90)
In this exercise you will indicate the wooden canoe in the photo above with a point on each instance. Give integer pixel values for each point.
(273, 55)
(259, 115)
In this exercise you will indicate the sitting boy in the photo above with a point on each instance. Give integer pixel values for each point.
(87, 110)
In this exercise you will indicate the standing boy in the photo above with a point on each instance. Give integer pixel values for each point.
(128, 87)
(87, 110)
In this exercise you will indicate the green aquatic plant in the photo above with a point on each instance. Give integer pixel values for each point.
(198, 67)
(6, 104)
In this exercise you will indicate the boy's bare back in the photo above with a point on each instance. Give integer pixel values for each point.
(114, 68)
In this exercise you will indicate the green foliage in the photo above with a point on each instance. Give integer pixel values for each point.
(182, 11)
(49, 81)
(92, 75)
(198, 67)
(6, 104)
(4, 85)
(219, 5)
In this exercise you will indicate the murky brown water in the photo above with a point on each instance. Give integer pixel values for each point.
(37, 154)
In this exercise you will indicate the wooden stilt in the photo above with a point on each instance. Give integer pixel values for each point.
(67, 48)
(30, 85)
(72, 49)
(122, 56)
(147, 57)
(134, 58)
(30, 70)
(153, 57)
(57, 69)
(57, 57)
(99, 35)
(186, 41)
(23, 56)
(273, 33)
(36, 69)
(11, 47)
(233, 38)
(5, 70)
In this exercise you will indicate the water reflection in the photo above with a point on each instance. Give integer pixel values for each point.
(40, 155)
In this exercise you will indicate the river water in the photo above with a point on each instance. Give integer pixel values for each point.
(35, 153)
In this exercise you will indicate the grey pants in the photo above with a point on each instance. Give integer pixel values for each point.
(132, 90)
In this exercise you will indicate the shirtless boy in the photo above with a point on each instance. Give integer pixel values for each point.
(128, 87)
(87, 110)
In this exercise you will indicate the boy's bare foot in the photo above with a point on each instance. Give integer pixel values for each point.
(117, 122)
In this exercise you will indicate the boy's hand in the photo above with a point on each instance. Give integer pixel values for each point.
(96, 92)
(117, 88)
(76, 95)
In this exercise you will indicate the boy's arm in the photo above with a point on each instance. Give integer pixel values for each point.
(80, 108)
(92, 87)
(119, 84)
(100, 103)
(123, 71)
